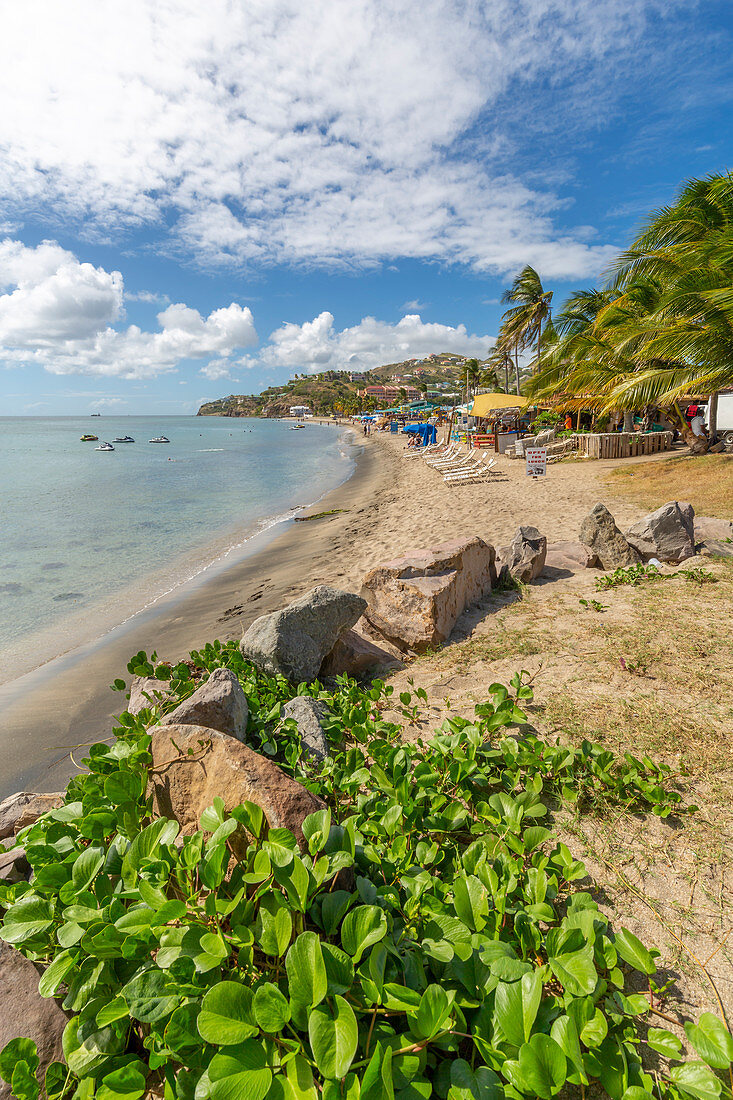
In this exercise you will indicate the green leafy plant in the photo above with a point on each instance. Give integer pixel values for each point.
(698, 575)
(633, 575)
(431, 937)
(593, 605)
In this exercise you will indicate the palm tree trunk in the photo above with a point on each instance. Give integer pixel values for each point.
(713, 416)
(506, 375)
(628, 421)
(516, 365)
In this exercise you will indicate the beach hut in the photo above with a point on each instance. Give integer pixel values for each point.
(502, 410)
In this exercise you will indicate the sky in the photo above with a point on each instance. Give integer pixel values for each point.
(205, 199)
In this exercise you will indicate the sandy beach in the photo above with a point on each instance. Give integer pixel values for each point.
(390, 504)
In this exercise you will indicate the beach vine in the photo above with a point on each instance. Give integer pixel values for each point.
(433, 938)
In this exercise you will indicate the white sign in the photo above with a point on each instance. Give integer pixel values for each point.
(536, 461)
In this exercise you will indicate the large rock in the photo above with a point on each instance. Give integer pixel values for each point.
(667, 534)
(710, 527)
(309, 714)
(19, 810)
(600, 534)
(571, 556)
(14, 866)
(416, 600)
(219, 704)
(524, 557)
(192, 765)
(26, 1014)
(355, 656)
(295, 641)
(146, 691)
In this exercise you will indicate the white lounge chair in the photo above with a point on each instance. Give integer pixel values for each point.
(479, 473)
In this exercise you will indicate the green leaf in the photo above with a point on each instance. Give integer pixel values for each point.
(125, 1083)
(56, 973)
(516, 1005)
(348, 1089)
(377, 1083)
(696, 1080)
(24, 1083)
(664, 1042)
(542, 1065)
(467, 1085)
(712, 1040)
(241, 1073)
(339, 969)
(333, 1037)
(26, 918)
(362, 927)
(300, 1079)
(595, 1031)
(633, 952)
(306, 970)
(432, 1013)
(226, 1014)
(123, 786)
(576, 970)
(18, 1050)
(274, 927)
(565, 1034)
(150, 996)
(270, 1008)
(316, 828)
(87, 866)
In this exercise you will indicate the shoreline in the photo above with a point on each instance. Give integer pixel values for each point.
(390, 504)
(66, 702)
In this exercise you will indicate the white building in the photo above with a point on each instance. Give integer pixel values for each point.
(300, 411)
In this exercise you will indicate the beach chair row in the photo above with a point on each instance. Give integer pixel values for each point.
(457, 468)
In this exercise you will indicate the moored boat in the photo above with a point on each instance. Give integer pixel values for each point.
(89, 438)
(104, 447)
(123, 439)
(159, 439)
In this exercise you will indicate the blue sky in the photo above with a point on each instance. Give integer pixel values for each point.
(198, 200)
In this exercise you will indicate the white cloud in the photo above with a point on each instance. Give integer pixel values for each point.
(60, 313)
(327, 133)
(413, 306)
(317, 345)
(148, 296)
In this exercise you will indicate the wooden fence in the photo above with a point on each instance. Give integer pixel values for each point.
(623, 444)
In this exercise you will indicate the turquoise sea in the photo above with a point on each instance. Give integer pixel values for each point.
(89, 537)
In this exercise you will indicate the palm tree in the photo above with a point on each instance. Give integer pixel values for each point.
(500, 359)
(523, 323)
(473, 375)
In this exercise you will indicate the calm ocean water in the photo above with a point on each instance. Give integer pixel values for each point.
(86, 532)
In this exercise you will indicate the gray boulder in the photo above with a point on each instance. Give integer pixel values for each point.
(14, 866)
(525, 555)
(294, 641)
(667, 534)
(26, 1014)
(710, 527)
(146, 691)
(219, 704)
(309, 714)
(600, 534)
(19, 810)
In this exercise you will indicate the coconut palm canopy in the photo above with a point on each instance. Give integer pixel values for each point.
(662, 326)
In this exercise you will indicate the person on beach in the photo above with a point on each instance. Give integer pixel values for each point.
(697, 424)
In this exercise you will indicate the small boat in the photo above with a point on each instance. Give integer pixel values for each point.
(89, 438)
(95, 414)
(104, 447)
(296, 427)
(123, 439)
(160, 439)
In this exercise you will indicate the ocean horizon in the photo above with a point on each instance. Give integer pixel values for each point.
(89, 538)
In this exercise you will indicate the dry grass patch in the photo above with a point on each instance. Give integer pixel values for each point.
(706, 480)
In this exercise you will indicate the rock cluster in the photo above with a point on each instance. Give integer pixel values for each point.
(604, 539)
(668, 534)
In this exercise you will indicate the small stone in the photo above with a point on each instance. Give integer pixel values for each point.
(667, 534)
(416, 600)
(19, 810)
(355, 656)
(293, 642)
(219, 704)
(601, 535)
(193, 765)
(146, 691)
(525, 555)
(26, 1014)
(309, 714)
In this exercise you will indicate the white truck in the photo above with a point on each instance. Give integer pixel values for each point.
(725, 417)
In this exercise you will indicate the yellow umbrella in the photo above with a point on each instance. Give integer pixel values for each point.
(487, 403)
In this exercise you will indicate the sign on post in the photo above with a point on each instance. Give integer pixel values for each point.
(536, 461)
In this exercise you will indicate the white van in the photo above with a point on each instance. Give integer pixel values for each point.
(725, 417)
